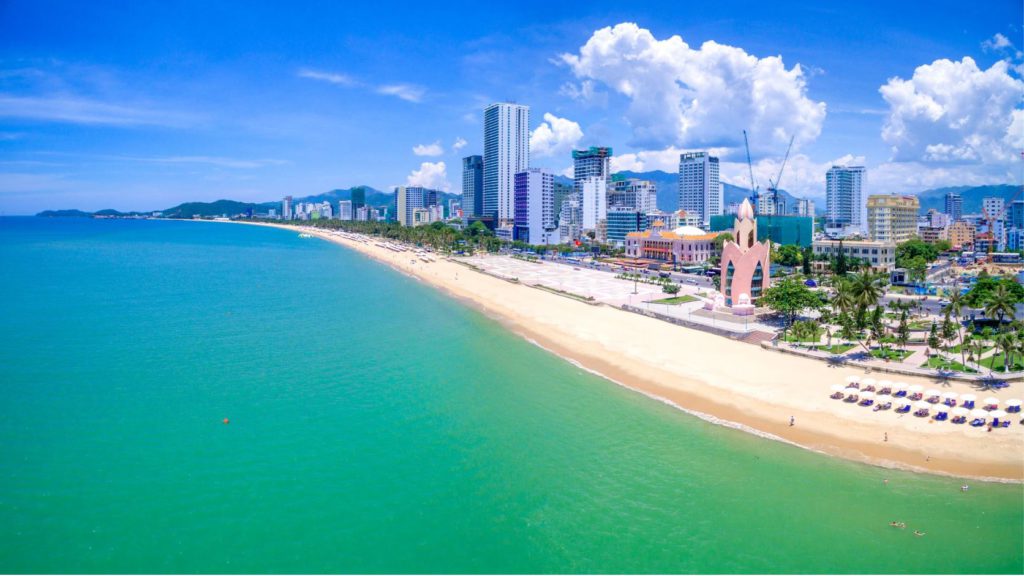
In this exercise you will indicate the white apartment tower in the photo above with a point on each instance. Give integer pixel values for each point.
(700, 191)
(506, 153)
(535, 207)
(844, 197)
(595, 202)
(344, 209)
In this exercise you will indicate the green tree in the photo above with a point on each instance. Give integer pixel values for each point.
(669, 288)
(787, 254)
(917, 269)
(721, 239)
(1000, 303)
(805, 260)
(933, 339)
(790, 297)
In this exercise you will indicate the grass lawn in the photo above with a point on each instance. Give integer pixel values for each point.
(956, 349)
(944, 364)
(836, 348)
(891, 354)
(675, 300)
(997, 361)
(791, 338)
(921, 325)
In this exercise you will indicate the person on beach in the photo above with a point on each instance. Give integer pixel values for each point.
(792, 420)
(886, 437)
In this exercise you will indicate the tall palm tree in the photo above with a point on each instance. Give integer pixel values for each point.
(1000, 304)
(1007, 342)
(867, 288)
(956, 305)
(843, 300)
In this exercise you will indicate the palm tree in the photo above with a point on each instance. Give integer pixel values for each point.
(1000, 303)
(843, 300)
(1007, 342)
(956, 304)
(867, 288)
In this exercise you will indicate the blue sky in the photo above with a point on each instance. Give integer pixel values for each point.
(147, 104)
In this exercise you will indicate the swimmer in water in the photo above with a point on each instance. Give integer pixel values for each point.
(965, 488)
(918, 533)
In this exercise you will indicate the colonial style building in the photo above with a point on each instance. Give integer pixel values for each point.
(684, 245)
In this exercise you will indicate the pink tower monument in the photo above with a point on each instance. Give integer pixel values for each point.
(746, 266)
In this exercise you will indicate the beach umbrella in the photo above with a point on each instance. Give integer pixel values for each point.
(930, 394)
(852, 391)
(978, 413)
(1013, 402)
(990, 401)
(942, 408)
(853, 379)
(998, 414)
(867, 395)
(900, 386)
(868, 381)
(960, 411)
(903, 402)
(968, 397)
(922, 405)
(885, 384)
(915, 388)
(949, 395)
(838, 388)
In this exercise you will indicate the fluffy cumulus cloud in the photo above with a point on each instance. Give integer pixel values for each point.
(555, 136)
(430, 175)
(459, 144)
(433, 149)
(705, 97)
(955, 112)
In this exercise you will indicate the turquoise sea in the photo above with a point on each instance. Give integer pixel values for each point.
(377, 425)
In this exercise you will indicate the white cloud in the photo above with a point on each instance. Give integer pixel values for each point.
(428, 149)
(554, 136)
(459, 144)
(698, 98)
(954, 112)
(997, 42)
(430, 175)
(75, 110)
(331, 77)
(407, 92)
(646, 160)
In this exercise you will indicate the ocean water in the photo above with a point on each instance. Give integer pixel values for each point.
(379, 426)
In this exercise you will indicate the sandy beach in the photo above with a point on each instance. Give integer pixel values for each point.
(727, 381)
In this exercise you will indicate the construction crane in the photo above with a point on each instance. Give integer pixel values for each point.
(753, 185)
(773, 187)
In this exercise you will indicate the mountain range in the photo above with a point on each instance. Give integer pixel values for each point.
(666, 182)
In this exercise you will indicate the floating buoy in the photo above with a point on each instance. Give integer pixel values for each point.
(226, 421)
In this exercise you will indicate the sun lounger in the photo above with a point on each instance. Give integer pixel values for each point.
(921, 413)
(903, 409)
(867, 402)
(900, 394)
(941, 417)
(977, 422)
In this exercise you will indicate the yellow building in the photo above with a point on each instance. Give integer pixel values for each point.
(879, 256)
(892, 219)
(961, 234)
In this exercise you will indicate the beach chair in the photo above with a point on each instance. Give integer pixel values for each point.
(900, 394)
(941, 416)
(867, 402)
(885, 391)
(903, 409)
(977, 422)
(1004, 424)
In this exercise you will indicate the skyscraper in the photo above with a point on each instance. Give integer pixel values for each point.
(954, 206)
(358, 197)
(407, 199)
(593, 162)
(700, 192)
(506, 153)
(286, 208)
(472, 186)
(844, 201)
(1016, 214)
(344, 209)
(594, 202)
(634, 193)
(535, 207)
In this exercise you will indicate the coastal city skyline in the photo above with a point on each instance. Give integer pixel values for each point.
(896, 116)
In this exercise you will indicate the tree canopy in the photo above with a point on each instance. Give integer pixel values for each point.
(790, 297)
(982, 292)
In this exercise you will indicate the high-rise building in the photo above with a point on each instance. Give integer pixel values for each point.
(407, 199)
(621, 221)
(633, 193)
(700, 192)
(1016, 214)
(344, 209)
(535, 207)
(472, 186)
(954, 206)
(358, 197)
(506, 153)
(594, 162)
(992, 208)
(594, 202)
(892, 219)
(844, 201)
(326, 210)
(570, 217)
(805, 207)
(286, 208)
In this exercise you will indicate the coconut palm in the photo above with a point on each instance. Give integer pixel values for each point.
(867, 288)
(1000, 303)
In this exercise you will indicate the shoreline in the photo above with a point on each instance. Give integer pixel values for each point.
(582, 334)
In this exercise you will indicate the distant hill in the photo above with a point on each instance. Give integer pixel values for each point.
(64, 214)
(972, 196)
